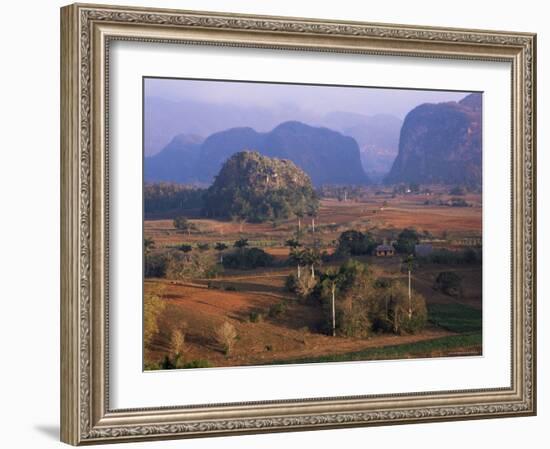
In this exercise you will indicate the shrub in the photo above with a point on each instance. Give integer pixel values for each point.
(155, 265)
(185, 248)
(153, 306)
(197, 364)
(255, 316)
(167, 363)
(195, 265)
(302, 286)
(226, 336)
(177, 342)
(291, 282)
(177, 362)
(183, 224)
(305, 286)
(458, 202)
(449, 283)
(248, 258)
(276, 310)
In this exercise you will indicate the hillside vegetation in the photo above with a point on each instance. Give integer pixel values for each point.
(257, 188)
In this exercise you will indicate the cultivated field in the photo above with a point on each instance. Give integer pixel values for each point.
(247, 298)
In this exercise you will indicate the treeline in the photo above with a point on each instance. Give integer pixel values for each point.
(166, 197)
(343, 192)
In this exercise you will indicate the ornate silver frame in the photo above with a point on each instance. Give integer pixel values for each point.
(86, 32)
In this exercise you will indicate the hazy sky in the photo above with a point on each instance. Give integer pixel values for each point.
(318, 99)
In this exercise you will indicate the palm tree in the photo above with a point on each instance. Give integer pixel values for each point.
(312, 212)
(293, 243)
(220, 247)
(299, 214)
(333, 279)
(241, 244)
(311, 257)
(297, 256)
(408, 263)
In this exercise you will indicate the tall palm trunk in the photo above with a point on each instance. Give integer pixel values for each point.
(410, 300)
(333, 310)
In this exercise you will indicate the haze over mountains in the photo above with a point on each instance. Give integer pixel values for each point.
(327, 156)
(187, 140)
(377, 135)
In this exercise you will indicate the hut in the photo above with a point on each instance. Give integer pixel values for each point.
(385, 251)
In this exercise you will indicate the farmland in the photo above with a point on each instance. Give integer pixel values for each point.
(275, 325)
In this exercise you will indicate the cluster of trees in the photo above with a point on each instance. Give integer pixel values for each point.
(355, 243)
(402, 189)
(166, 197)
(183, 262)
(343, 193)
(448, 257)
(406, 241)
(225, 337)
(180, 264)
(363, 305)
(257, 188)
(357, 305)
(246, 258)
(458, 202)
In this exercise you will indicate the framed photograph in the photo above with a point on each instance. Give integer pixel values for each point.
(278, 224)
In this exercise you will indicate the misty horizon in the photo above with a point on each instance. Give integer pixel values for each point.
(204, 107)
(320, 99)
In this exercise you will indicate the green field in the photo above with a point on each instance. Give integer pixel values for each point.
(462, 344)
(455, 317)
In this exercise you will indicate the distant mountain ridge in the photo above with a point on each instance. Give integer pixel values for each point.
(327, 156)
(176, 161)
(441, 143)
(377, 135)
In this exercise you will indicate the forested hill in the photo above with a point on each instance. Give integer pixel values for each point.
(259, 188)
(440, 143)
(327, 156)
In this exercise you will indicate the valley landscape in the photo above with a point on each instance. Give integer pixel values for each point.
(287, 244)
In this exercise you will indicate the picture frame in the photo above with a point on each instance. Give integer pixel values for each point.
(87, 32)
